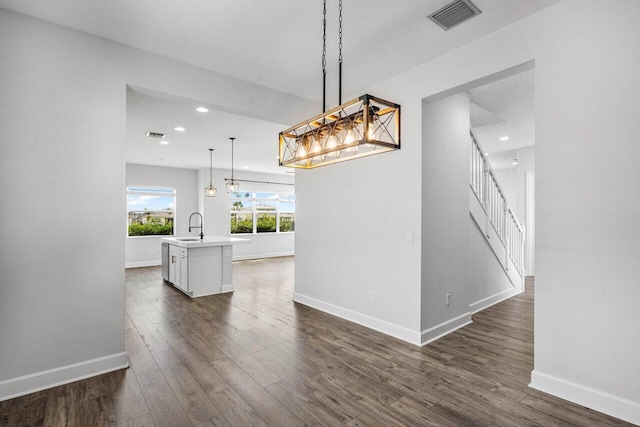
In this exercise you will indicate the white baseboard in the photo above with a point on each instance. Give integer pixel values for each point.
(258, 256)
(597, 400)
(226, 288)
(31, 383)
(385, 327)
(143, 264)
(444, 328)
(493, 299)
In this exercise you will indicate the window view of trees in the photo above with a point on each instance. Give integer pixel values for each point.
(150, 211)
(286, 222)
(262, 213)
(266, 223)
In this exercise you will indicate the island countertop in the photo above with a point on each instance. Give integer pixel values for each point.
(190, 242)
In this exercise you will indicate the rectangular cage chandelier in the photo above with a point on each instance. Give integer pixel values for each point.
(362, 127)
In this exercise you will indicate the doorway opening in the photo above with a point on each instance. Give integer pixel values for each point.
(168, 142)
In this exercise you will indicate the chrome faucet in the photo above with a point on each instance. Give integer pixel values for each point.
(201, 226)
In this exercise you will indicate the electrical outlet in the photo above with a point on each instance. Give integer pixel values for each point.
(409, 237)
(373, 296)
(447, 299)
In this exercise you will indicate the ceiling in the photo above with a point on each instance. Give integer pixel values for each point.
(252, 40)
(502, 108)
(255, 147)
(278, 43)
(505, 108)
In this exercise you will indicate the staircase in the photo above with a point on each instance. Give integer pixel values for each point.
(495, 219)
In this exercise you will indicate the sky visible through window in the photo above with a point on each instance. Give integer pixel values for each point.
(150, 211)
(139, 198)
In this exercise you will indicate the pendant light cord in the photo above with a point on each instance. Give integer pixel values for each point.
(324, 56)
(210, 167)
(232, 159)
(340, 54)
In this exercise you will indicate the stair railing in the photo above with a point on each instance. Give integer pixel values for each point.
(500, 216)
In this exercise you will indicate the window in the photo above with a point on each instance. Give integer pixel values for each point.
(150, 211)
(262, 213)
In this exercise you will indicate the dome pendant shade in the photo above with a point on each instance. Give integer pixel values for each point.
(232, 186)
(210, 191)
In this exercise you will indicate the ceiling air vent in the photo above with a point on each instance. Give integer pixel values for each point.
(454, 13)
(156, 135)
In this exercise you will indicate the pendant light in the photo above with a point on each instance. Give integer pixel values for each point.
(210, 191)
(232, 185)
(361, 127)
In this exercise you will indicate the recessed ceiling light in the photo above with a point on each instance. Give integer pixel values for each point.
(179, 129)
(515, 162)
(164, 142)
(486, 154)
(202, 110)
(277, 157)
(504, 138)
(246, 167)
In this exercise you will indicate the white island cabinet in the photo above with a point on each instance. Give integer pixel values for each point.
(201, 267)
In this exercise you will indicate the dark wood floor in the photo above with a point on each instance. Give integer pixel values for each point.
(255, 358)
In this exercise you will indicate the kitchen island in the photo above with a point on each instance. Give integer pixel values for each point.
(199, 267)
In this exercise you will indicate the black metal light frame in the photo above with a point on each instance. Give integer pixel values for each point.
(361, 127)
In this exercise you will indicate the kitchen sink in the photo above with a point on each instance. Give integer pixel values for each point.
(188, 240)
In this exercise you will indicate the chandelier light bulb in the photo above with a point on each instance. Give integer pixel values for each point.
(315, 146)
(350, 138)
(332, 143)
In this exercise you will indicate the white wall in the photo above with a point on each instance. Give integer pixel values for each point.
(526, 162)
(587, 225)
(265, 245)
(351, 231)
(445, 215)
(488, 282)
(62, 128)
(216, 212)
(587, 206)
(62, 210)
(587, 56)
(62, 154)
(145, 251)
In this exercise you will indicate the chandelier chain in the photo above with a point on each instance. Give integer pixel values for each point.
(324, 55)
(340, 31)
(340, 52)
(324, 37)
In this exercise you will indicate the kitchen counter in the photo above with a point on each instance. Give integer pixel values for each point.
(195, 242)
(199, 267)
